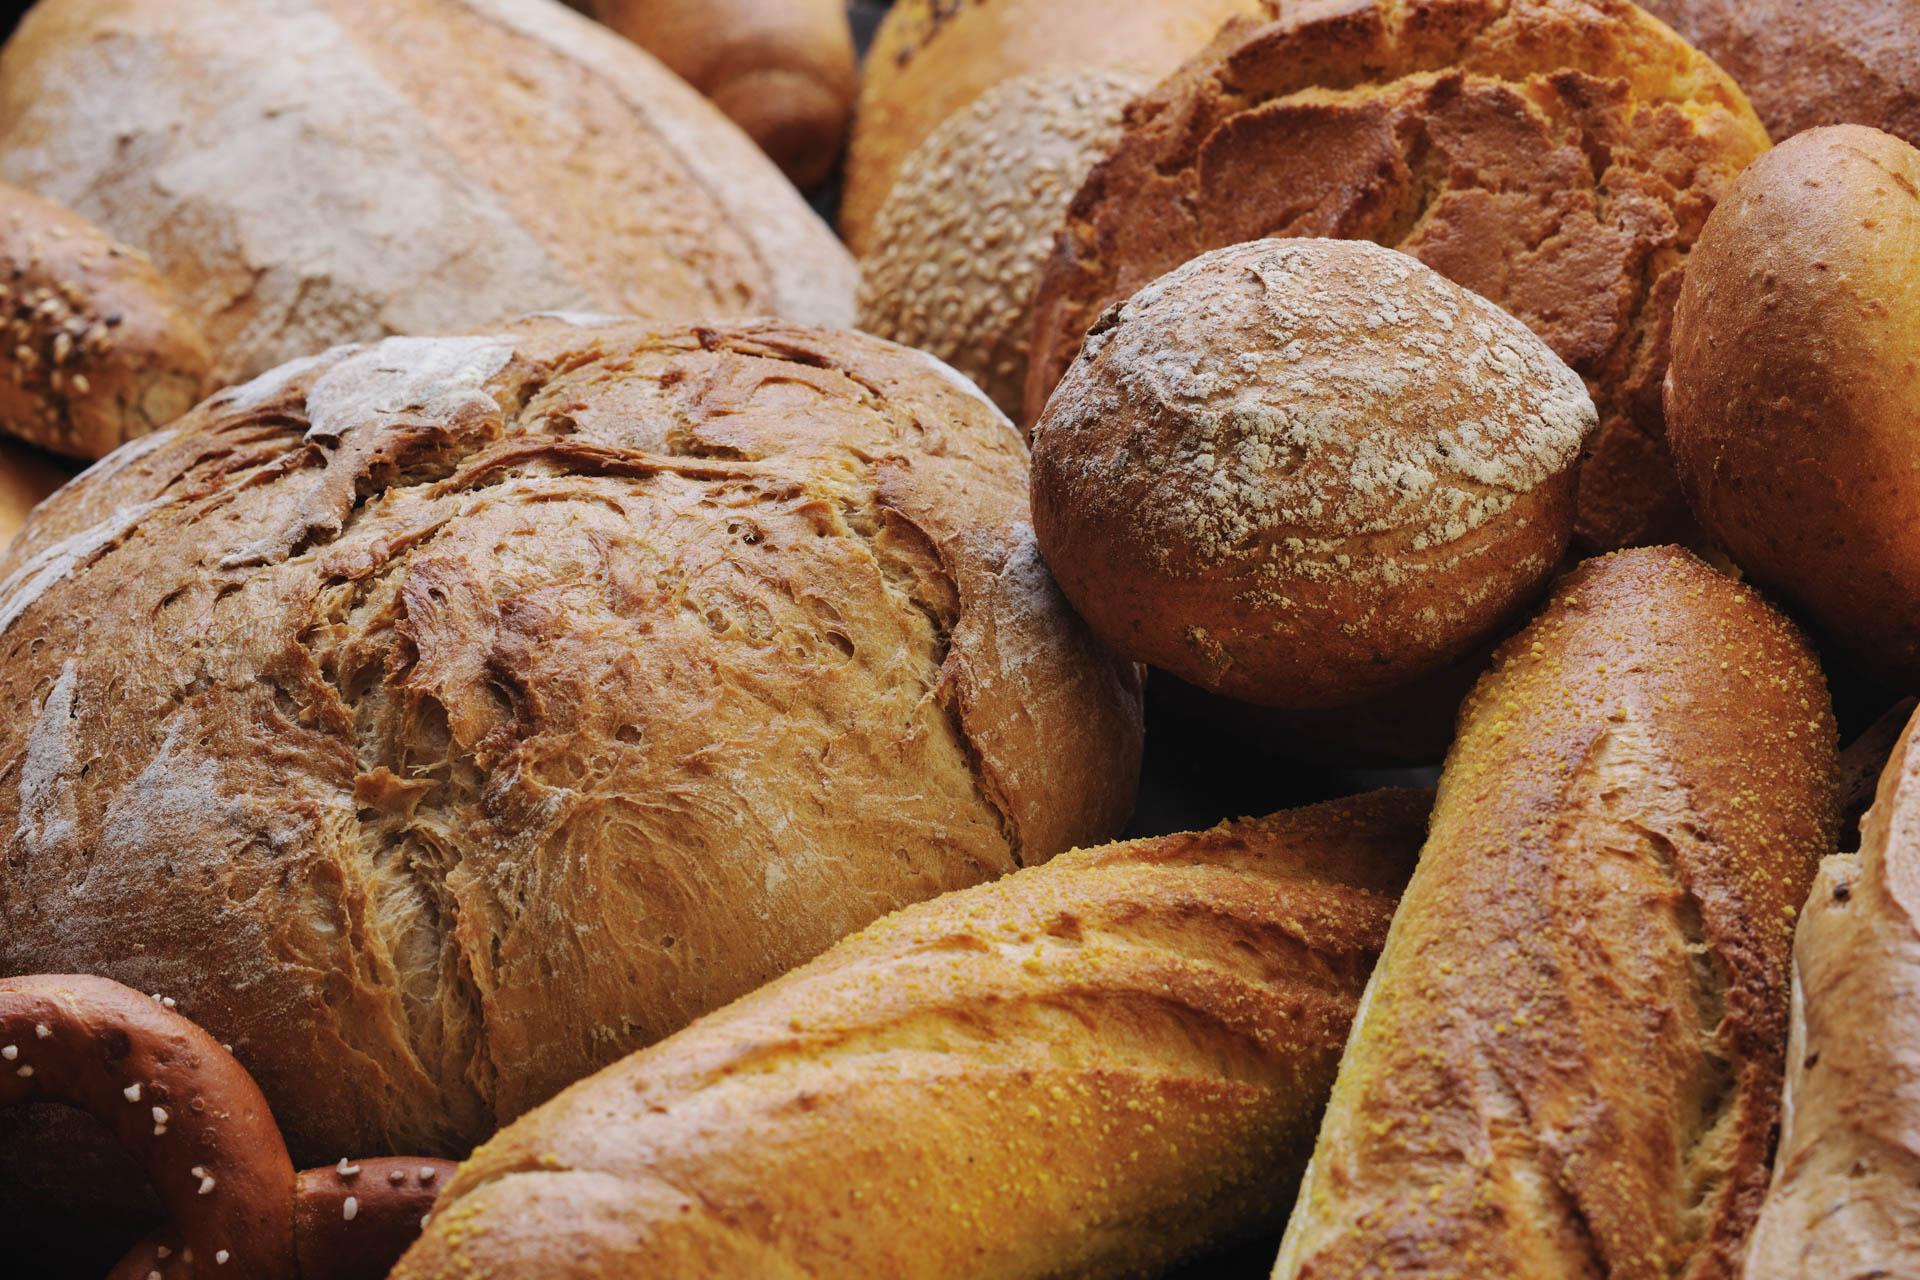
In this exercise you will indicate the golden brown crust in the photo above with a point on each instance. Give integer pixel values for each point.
(1554, 156)
(1087, 1068)
(1568, 1063)
(1794, 398)
(95, 352)
(447, 717)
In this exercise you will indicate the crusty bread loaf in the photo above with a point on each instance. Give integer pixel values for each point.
(1086, 1069)
(439, 720)
(27, 476)
(1305, 472)
(957, 248)
(930, 58)
(1794, 399)
(1845, 1200)
(96, 351)
(1555, 156)
(780, 69)
(1806, 65)
(1568, 1061)
(319, 171)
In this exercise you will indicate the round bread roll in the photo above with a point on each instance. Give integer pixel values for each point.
(1806, 65)
(1794, 400)
(311, 172)
(1557, 157)
(930, 58)
(438, 720)
(1301, 472)
(959, 244)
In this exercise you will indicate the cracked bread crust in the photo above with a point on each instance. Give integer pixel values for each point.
(1557, 157)
(438, 720)
(1568, 1062)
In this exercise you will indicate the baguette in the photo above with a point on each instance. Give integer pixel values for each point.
(1087, 1068)
(1568, 1063)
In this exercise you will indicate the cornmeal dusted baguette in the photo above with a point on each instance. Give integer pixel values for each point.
(1083, 1069)
(1568, 1063)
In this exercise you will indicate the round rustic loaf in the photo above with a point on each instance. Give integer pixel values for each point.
(959, 244)
(308, 172)
(1302, 472)
(1794, 399)
(930, 58)
(1555, 156)
(438, 720)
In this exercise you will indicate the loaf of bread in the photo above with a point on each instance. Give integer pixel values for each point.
(780, 69)
(1086, 1069)
(1794, 398)
(96, 351)
(1845, 1200)
(443, 719)
(1306, 472)
(323, 171)
(1555, 156)
(1568, 1061)
(27, 476)
(930, 58)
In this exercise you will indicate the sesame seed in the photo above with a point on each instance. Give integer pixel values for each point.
(80, 384)
(132, 1092)
(10, 1052)
(350, 1209)
(42, 1032)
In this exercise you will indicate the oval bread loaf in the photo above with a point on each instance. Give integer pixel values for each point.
(1568, 1062)
(1089, 1068)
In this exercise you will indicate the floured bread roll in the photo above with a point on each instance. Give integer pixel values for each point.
(439, 720)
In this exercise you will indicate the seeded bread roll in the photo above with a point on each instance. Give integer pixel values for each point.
(1557, 157)
(95, 350)
(1795, 393)
(959, 244)
(1085, 1069)
(1568, 1061)
(1304, 472)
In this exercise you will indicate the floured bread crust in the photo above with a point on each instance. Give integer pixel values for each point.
(307, 172)
(1557, 157)
(438, 720)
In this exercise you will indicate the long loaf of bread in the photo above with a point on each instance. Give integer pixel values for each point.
(1568, 1063)
(1086, 1068)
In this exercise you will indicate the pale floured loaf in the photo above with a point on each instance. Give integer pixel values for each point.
(306, 172)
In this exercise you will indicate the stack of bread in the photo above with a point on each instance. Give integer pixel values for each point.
(533, 718)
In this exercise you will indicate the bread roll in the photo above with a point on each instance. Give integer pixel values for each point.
(96, 350)
(1086, 1069)
(1568, 1061)
(958, 245)
(1303, 472)
(1556, 157)
(27, 476)
(1795, 392)
(320, 171)
(780, 69)
(1845, 1200)
(439, 720)
(1806, 65)
(930, 58)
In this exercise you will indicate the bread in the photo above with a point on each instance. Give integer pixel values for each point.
(1568, 1061)
(1555, 156)
(1804, 65)
(96, 350)
(959, 243)
(1087, 1069)
(780, 69)
(1795, 392)
(27, 476)
(1304, 472)
(439, 720)
(325, 171)
(1845, 1200)
(930, 58)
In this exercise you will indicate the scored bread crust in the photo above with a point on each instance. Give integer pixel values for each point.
(1557, 157)
(1089, 1068)
(321, 171)
(438, 720)
(1568, 1062)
